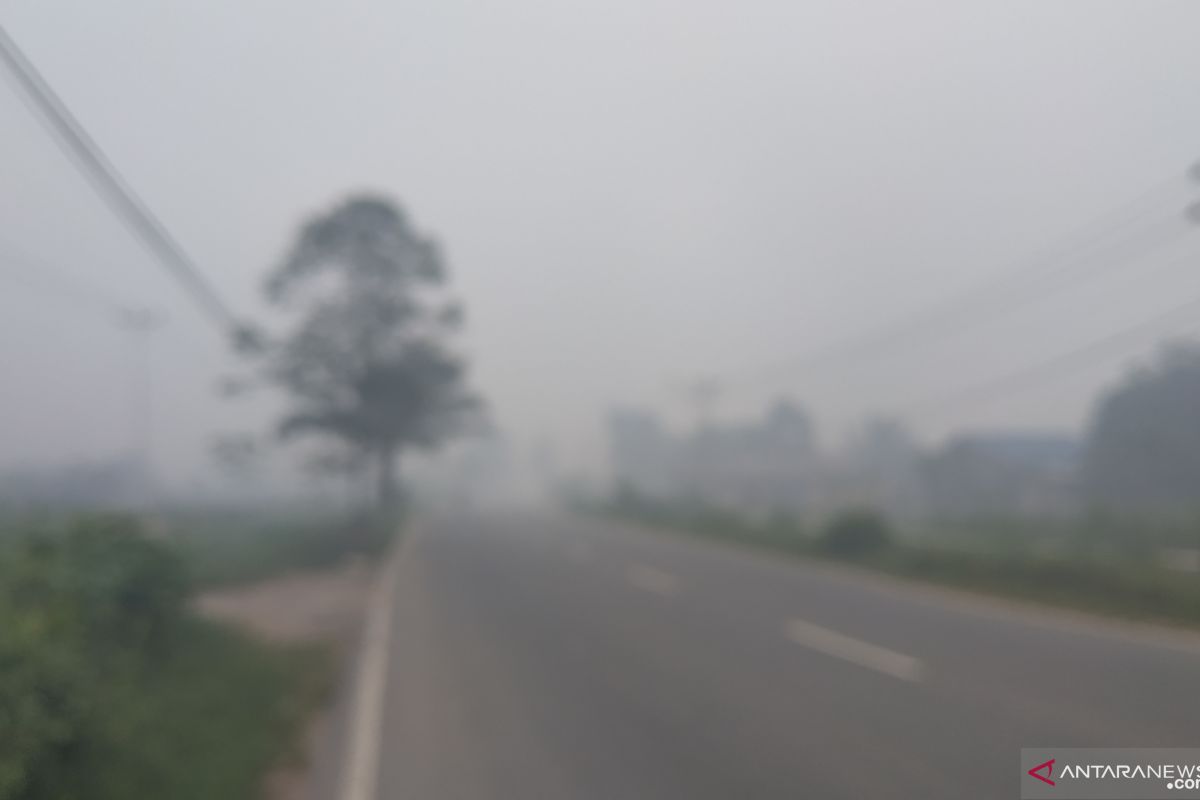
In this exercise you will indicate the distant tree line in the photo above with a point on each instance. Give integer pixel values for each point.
(1140, 454)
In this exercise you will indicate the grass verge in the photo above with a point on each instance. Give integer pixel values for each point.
(207, 722)
(222, 549)
(111, 688)
(1098, 581)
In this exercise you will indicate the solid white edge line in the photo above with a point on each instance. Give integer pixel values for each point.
(360, 770)
(856, 651)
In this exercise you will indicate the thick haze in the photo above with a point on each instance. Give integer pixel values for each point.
(630, 194)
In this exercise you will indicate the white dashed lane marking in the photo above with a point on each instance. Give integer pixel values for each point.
(856, 651)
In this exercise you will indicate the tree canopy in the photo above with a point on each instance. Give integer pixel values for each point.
(1143, 448)
(368, 360)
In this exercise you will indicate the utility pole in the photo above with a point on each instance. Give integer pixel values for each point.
(140, 323)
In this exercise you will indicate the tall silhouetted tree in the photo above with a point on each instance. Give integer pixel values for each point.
(367, 360)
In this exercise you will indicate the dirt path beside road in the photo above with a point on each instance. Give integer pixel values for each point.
(322, 607)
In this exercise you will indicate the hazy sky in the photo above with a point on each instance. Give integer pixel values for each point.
(630, 192)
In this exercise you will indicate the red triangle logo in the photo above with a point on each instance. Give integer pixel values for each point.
(1049, 776)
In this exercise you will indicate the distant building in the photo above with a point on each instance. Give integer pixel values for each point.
(641, 452)
(774, 464)
(1005, 472)
(879, 468)
(753, 467)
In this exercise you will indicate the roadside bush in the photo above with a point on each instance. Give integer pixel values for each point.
(110, 689)
(80, 611)
(855, 533)
(231, 548)
(131, 590)
(42, 704)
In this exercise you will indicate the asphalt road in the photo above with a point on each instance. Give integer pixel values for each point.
(550, 657)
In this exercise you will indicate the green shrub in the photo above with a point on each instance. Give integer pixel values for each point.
(855, 533)
(81, 610)
(205, 722)
(43, 703)
(131, 589)
(110, 689)
(226, 549)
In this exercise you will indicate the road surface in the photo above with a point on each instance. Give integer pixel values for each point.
(552, 657)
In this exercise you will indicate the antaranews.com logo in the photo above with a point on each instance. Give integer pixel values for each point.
(1081, 773)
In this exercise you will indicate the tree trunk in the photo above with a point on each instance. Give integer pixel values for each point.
(387, 491)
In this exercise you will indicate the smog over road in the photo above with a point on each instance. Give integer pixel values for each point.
(593, 400)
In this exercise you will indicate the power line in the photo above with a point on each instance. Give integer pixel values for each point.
(1056, 366)
(1056, 268)
(75, 141)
